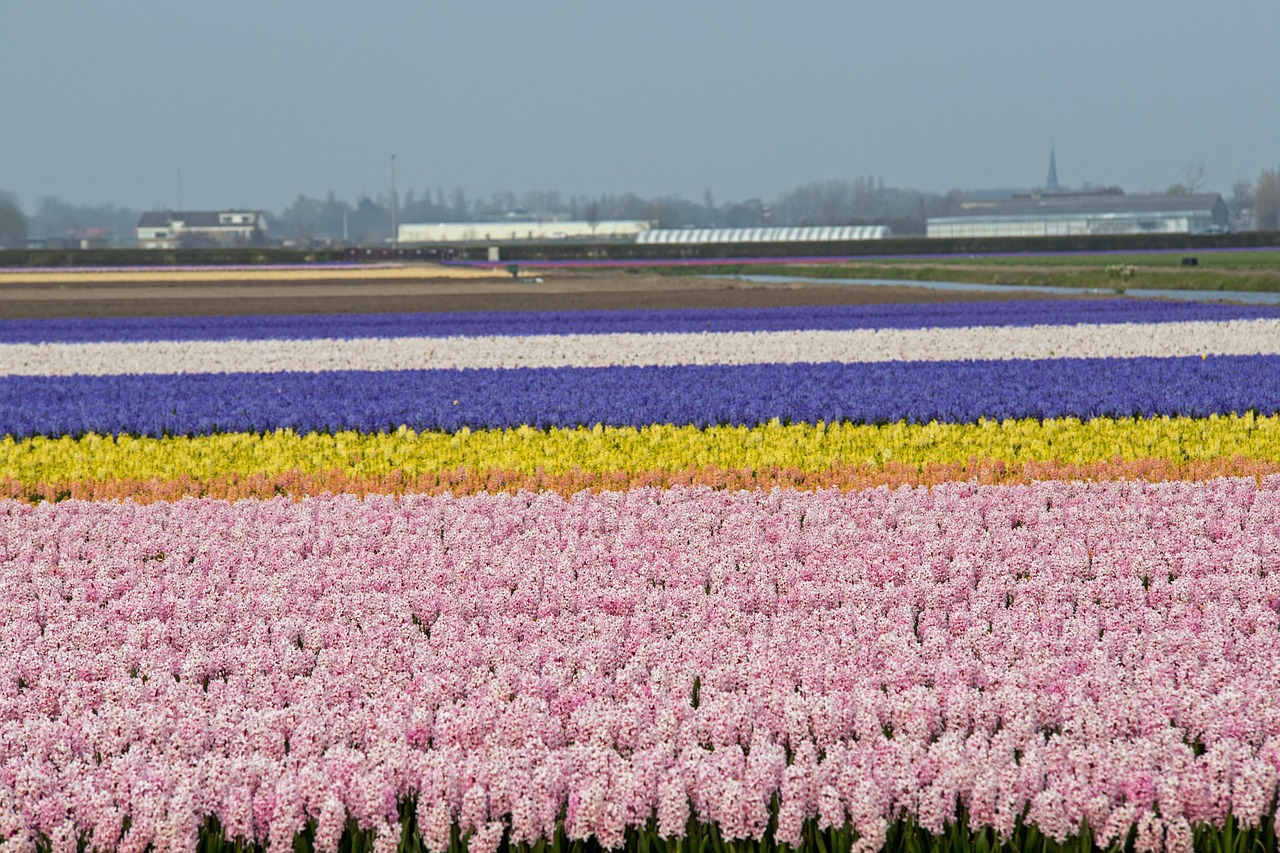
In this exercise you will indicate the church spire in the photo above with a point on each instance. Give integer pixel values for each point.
(1051, 185)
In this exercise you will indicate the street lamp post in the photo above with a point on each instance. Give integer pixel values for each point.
(395, 231)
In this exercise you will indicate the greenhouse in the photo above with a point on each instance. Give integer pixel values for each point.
(1053, 215)
(802, 234)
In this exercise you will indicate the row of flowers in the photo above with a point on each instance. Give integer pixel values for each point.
(449, 400)
(463, 481)
(1114, 340)
(1060, 655)
(604, 450)
(681, 320)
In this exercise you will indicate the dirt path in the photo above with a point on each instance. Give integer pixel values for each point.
(251, 292)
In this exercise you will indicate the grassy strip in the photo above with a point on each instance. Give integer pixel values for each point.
(602, 450)
(902, 836)
(462, 481)
(1210, 260)
(1172, 260)
(978, 271)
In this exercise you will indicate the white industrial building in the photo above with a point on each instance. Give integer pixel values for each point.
(505, 232)
(803, 234)
(1067, 214)
(171, 229)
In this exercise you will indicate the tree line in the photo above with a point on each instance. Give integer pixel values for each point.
(863, 201)
(367, 220)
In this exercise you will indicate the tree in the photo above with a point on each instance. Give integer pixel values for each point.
(953, 201)
(663, 213)
(864, 201)
(501, 203)
(541, 204)
(458, 205)
(1266, 201)
(867, 192)
(54, 217)
(1241, 203)
(302, 218)
(593, 215)
(13, 222)
(818, 203)
(1193, 175)
(742, 214)
(422, 209)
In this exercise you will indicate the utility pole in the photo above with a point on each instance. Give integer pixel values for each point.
(395, 231)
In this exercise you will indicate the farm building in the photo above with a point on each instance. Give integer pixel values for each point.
(1066, 214)
(171, 229)
(814, 234)
(503, 232)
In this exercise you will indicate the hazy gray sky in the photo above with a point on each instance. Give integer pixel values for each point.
(255, 102)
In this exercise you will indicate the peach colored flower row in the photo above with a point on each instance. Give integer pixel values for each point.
(465, 481)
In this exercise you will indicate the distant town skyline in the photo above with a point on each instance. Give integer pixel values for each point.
(254, 104)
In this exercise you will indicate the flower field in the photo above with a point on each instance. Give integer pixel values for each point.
(966, 577)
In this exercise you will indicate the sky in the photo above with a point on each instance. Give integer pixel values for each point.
(253, 103)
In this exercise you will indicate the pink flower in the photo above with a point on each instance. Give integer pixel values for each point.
(330, 824)
(387, 839)
(1150, 837)
(1178, 837)
(486, 839)
(434, 825)
(673, 808)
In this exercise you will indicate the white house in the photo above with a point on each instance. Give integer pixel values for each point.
(172, 229)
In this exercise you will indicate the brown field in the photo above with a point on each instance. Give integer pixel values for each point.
(172, 275)
(157, 293)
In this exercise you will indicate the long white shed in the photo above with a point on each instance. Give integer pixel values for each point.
(801, 234)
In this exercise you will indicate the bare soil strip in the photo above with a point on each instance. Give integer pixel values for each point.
(390, 272)
(560, 290)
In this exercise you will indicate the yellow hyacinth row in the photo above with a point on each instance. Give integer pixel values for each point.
(803, 447)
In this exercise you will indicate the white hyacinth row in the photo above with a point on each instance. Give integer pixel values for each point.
(1118, 340)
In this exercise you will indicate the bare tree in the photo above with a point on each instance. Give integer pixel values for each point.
(1193, 175)
(1241, 203)
(541, 204)
(13, 223)
(458, 204)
